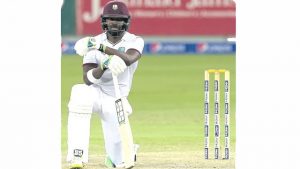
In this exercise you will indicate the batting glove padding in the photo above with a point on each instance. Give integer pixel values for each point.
(82, 46)
(115, 64)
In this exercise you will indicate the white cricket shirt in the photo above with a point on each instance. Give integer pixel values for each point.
(128, 41)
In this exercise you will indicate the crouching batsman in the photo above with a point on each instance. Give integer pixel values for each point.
(109, 62)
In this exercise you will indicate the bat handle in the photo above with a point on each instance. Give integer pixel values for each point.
(116, 86)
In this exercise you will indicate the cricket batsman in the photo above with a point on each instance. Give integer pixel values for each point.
(115, 52)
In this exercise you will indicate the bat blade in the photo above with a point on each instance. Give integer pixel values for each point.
(124, 129)
(126, 135)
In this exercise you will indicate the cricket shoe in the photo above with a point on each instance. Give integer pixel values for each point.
(109, 164)
(76, 163)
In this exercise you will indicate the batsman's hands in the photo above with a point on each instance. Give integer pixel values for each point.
(115, 64)
(82, 46)
(126, 106)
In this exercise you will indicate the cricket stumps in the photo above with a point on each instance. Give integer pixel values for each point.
(217, 126)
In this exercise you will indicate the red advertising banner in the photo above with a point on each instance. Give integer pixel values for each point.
(164, 17)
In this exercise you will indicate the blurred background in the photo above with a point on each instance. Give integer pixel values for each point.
(182, 39)
(168, 26)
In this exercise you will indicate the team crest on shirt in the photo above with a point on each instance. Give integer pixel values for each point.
(121, 49)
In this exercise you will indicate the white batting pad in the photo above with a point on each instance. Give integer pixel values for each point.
(81, 100)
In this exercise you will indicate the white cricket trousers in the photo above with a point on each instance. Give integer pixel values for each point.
(84, 101)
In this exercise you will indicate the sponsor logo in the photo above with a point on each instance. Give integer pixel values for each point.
(206, 108)
(168, 48)
(226, 97)
(217, 132)
(216, 119)
(202, 47)
(216, 108)
(206, 131)
(226, 142)
(216, 153)
(226, 86)
(215, 48)
(206, 119)
(206, 142)
(216, 85)
(155, 47)
(78, 153)
(206, 98)
(64, 47)
(226, 131)
(226, 108)
(217, 96)
(226, 119)
(206, 153)
(226, 153)
(206, 85)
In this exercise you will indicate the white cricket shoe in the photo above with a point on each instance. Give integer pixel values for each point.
(109, 164)
(76, 163)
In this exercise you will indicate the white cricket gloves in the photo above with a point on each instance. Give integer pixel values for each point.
(84, 45)
(114, 63)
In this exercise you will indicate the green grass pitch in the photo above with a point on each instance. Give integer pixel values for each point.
(167, 121)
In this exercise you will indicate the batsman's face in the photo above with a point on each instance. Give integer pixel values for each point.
(115, 24)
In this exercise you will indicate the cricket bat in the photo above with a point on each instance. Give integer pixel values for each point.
(124, 129)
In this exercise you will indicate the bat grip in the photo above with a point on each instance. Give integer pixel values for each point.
(116, 86)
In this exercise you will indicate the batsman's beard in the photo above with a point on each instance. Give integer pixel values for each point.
(116, 33)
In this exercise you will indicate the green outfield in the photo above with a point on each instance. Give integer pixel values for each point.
(167, 121)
